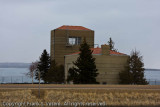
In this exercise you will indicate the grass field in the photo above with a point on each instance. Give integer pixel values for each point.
(72, 97)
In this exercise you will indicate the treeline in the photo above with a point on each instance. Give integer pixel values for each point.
(84, 70)
(46, 69)
(134, 69)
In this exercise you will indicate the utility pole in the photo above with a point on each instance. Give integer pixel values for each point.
(32, 77)
(39, 83)
(22, 79)
(11, 79)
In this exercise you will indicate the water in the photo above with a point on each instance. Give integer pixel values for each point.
(15, 75)
(13, 71)
(18, 75)
(153, 77)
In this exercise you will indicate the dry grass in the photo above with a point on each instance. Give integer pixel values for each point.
(86, 85)
(109, 96)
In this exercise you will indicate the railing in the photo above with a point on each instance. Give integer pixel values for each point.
(153, 81)
(15, 79)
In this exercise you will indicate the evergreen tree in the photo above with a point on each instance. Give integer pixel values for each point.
(43, 66)
(134, 71)
(55, 73)
(111, 44)
(85, 71)
(137, 68)
(125, 75)
(73, 75)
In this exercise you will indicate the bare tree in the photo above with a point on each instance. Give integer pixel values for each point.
(32, 70)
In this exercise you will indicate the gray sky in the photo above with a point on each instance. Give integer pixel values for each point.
(25, 26)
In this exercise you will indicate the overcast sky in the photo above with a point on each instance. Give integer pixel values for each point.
(25, 26)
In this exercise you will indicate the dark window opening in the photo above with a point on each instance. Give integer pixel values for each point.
(104, 83)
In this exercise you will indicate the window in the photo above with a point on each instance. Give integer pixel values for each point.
(104, 83)
(74, 40)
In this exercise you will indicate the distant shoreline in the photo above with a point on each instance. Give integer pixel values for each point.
(152, 69)
(14, 65)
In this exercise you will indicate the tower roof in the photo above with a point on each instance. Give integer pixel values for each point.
(68, 27)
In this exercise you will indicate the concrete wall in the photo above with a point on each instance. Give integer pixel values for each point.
(108, 67)
(59, 39)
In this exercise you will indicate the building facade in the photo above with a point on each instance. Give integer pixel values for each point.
(109, 64)
(67, 39)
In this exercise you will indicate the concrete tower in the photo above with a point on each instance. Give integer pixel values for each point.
(67, 39)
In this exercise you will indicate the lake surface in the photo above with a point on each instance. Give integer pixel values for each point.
(15, 75)
(18, 75)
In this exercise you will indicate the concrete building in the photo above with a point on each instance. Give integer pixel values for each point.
(109, 64)
(65, 43)
(67, 39)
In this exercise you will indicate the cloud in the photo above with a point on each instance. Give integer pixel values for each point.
(25, 25)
